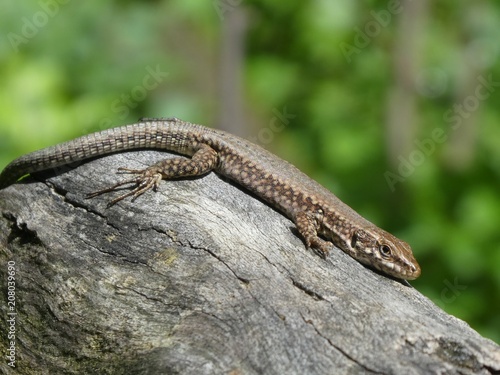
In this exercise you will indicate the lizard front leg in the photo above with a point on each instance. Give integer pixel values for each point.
(308, 226)
(203, 161)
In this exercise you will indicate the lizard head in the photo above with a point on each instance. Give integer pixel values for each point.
(381, 250)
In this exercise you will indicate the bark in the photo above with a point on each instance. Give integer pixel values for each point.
(202, 278)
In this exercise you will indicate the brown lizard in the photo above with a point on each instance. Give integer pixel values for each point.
(316, 212)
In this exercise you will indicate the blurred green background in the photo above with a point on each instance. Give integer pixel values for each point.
(394, 106)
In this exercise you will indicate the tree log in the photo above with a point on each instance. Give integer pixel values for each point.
(201, 277)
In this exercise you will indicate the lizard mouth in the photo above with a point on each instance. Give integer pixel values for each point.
(406, 271)
(409, 272)
(414, 273)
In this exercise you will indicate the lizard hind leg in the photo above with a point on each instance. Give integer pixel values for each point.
(202, 161)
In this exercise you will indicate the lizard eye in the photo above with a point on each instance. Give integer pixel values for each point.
(385, 251)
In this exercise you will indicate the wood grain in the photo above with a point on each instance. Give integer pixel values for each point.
(203, 278)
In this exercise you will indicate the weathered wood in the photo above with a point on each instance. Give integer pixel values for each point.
(203, 278)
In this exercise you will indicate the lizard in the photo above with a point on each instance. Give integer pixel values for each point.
(320, 217)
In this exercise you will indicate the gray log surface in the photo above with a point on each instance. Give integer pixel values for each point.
(203, 278)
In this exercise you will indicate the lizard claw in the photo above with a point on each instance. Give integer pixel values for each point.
(146, 180)
(320, 246)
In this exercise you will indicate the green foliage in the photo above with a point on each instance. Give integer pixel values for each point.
(82, 67)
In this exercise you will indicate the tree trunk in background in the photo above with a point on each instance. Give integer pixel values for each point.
(231, 109)
(203, 278)
(402, 118)
(476, 57)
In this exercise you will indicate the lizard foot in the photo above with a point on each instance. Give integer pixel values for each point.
(146, 179)
(321, 247)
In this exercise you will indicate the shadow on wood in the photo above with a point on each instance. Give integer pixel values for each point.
(203, 278)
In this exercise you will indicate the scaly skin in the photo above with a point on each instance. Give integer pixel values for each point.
(319, 215)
